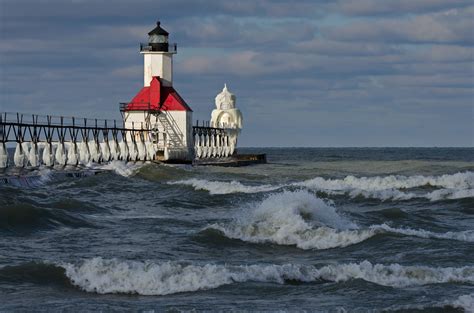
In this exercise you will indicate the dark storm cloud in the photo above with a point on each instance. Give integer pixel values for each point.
(334, 73)
(451, 27)
(398, 7)
(230, 32)
(127, 10)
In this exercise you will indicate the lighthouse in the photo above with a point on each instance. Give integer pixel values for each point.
(158, 107)
(157, 126)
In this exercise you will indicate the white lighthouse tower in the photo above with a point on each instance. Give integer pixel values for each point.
(158, 59)
(157, 106)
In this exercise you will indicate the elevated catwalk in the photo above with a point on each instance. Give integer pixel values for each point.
(69, 141)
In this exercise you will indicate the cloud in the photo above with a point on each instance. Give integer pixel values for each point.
(398, 7)
(119, 11)
(419, 29)
(327, 47)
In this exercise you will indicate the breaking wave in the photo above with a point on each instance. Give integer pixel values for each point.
(392, 187)
(450, 181)
(301, 219)
(222, 188)
(106, 276)
(453, 186)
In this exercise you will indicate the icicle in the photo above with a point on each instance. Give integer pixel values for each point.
(204, 148)
(224, 146)
(215, 150)
(105, 151)
(232, 145)
(113, 150)
(219, 146)
(3, 155)
(39, 151)
(26, 150)
(132, 151)
(60, 156)
(227, 148)
(19, 156)
(208, 147)
(141, 150)
(200, 147)
(198, 152)
(124, 155)
(72, 154)
(84, 154)
(213, 146)
(33, 155)
(150, 150)
(94, 151)
(197, 148)
(48, 155)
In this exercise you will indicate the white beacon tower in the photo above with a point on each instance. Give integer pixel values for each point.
(158, 59)
(227, 116)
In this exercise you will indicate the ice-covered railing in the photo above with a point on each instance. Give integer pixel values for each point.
(58, 140)
(21, 118)
(213, 142)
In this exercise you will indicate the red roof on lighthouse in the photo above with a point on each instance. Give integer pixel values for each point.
(157, 97)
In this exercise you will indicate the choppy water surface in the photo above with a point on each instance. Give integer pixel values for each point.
(315, 229)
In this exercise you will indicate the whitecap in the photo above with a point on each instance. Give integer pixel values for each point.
(147, 278)
(454, 181)
(222, 187)
(467, 235)
(392, 187)
(452, 186)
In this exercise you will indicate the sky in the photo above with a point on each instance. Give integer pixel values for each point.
(314, 73)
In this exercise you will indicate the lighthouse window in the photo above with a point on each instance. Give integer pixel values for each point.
(158, 39)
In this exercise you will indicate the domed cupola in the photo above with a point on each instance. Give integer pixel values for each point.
(225, 100)
(158, 39)
(226, 114)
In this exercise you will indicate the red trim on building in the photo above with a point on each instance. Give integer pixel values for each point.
(158, 98)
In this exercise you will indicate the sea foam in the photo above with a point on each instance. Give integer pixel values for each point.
(452, 186)
(222, 188)
(301, 219)
(392, 187)
(147, 278)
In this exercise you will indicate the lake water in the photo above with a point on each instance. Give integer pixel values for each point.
(366, 229)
